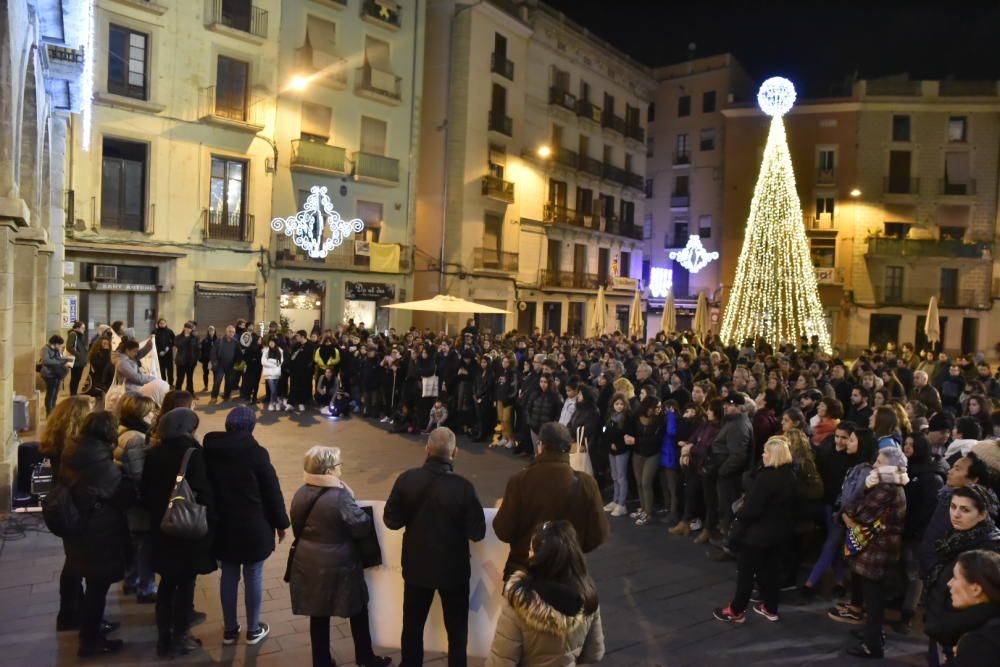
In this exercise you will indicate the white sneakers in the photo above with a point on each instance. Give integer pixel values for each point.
(610, 506)
(619, 510)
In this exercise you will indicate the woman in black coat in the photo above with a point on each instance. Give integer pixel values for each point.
(483, 395)
(585, 416)
(249, 509)
(975, 587)
(760, 531)
(206, 355)
(101, 553)
(543, 407)
(177, 561)
(326, 575)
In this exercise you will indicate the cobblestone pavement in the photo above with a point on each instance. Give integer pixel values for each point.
(657, 591)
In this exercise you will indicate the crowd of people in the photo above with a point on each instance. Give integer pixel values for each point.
(874, 479)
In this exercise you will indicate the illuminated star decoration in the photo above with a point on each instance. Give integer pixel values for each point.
(774, 295)
(306, 227)
(693, 257)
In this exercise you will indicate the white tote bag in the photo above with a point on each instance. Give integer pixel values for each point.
(429, 386)
(115, 393)
(579, 456)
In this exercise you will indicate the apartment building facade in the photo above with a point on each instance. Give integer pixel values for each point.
(686, 152)
(898, 184)
(211, 119)
(532, 167)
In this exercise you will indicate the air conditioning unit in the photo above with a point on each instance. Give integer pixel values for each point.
(105, 273)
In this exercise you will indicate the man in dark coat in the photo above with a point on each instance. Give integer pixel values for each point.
(76, 345)
(441, 513)
(164, 337)
(728, 458)
(250, 508)
(186, 356)
(100, 554)
(225, 355)
(549, 490)
(177, 561)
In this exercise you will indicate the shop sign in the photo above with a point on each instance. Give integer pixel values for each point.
(617, 282)
(368, 291)
(125, 287)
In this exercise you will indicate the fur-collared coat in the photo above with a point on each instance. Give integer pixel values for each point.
(543, 624)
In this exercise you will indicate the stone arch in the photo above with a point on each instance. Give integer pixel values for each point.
(28, 162)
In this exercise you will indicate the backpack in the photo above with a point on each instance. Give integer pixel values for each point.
(61, 514)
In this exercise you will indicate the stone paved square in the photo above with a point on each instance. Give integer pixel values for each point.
(657, 591)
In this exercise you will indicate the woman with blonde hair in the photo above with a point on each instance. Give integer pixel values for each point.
(759, 533)
(64, 424)
(137, 413)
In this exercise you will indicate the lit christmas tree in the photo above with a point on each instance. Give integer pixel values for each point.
(774, 296)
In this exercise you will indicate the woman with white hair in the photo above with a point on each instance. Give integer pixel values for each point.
(325, 572)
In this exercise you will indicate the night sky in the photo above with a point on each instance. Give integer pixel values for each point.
(817, 44)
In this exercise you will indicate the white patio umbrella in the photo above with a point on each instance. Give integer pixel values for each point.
(669, 323)
(443, 303)
(635, 324)
(932, 325)
(701, 325)
(598, 319)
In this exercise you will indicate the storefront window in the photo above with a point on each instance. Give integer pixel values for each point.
(301, 304)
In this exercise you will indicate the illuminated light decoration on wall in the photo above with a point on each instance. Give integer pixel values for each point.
(693, 257)
(774, 294)
(307, 226)
(87, 85)
(661, 281)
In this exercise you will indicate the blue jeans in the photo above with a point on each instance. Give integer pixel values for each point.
(253, 591)
(140, 573)
(272, 390)
(830, 556)
(619, 476)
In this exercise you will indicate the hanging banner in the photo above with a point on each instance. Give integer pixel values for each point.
(70, 310)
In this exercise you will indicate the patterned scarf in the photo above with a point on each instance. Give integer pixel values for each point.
(960, 541)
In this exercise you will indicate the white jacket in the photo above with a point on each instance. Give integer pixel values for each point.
(271, 364)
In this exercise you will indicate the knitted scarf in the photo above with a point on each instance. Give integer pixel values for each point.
(960, 541)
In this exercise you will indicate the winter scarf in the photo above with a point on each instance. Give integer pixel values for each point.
(960, 541)
(888, 475)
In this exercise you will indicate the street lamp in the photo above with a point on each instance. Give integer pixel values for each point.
(544, 151)
(855, 193)
(299, 82)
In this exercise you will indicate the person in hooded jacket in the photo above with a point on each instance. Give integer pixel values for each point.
(550, 613)
(186, 356)
(586, 417)
(177, 561)
(137, 412)
(299, 363)
(975, 588)
(760, 530)
(250, 510)
(206, 345)
(543, 406)
(100, 553)
(928, 474)
(972, 512)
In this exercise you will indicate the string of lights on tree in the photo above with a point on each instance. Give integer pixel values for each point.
(774, 295)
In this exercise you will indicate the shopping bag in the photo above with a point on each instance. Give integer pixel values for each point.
(429, 387)
(115, 393)
(579, 456)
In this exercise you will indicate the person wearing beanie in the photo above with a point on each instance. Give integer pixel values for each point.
(873, 546)
(988, 451)
(250, 510)
(939, 429)
(178, 561)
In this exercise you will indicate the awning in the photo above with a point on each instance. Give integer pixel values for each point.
(225, 288)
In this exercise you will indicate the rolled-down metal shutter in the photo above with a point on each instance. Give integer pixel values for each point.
(221, 305)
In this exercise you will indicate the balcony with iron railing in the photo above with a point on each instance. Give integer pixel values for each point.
(635, 132)
(237, 19)
(243, 112)
(613, 174)
(919, 297)
(613, 122)
(495, 187)
(565, 157)
(562, 98)
(589, 110)
(680, 200)
(682, 159)
(900, 186)
(595, 221)
(884, 246)
(223, 226)
(567, 279)
(343, 257)
(378, 85)
(501, 122)
(385, 14)
(374, 168)
(312, 156)
(491, 259)
(826, 176)
(500, 64)
(947, 189)
(591, 166)
(635, 181)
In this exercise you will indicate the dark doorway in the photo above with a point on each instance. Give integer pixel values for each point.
(883, 329)
(526, 317)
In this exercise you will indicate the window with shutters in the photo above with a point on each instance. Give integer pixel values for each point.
(705, 226)
(371, 213)
(232, 81)
(373, 134)
(706, 140)
(123, 185)
(315, 122)
(377, 54)
(127, 62)
(319, 50)
(497, 160)
(228, 193)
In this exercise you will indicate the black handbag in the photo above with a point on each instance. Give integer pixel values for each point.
(369, 550)
(184, 519)
(298, 532)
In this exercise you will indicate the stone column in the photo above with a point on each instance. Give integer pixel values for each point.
(28, 329)
(13, 214)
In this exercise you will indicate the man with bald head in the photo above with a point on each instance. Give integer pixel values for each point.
(441, 513)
